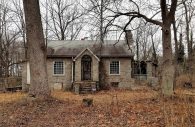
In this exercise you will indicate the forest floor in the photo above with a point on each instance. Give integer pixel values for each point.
(142, 107)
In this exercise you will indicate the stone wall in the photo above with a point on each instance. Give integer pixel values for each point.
(64, 82)
(149, 70)
(58, 82)
(25, 86)
(124, 78)
(78, 70)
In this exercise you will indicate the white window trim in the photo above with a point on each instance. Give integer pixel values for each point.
(119, 67)
(63, 70)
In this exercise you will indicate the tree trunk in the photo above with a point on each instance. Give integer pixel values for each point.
(193, 61)
(187, 31)
(193, 69)
(176, 41)
(101, 22)
(37, 51)
(168, 69)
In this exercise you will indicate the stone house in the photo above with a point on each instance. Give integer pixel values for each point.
(84, 63)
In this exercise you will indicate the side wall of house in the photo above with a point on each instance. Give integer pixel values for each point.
(123, 79)
(59, 82)
(25, 76)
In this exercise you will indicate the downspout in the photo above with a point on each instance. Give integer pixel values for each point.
(72, 80)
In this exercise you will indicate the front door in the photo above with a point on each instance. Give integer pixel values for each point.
(86, 67)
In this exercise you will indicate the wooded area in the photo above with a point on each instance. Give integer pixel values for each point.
(66, 20)
(160, 32)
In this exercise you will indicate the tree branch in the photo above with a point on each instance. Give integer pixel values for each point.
(139, 15)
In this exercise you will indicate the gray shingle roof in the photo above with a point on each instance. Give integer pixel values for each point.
(73, 48)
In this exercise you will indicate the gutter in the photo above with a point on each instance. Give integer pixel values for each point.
(72, 80)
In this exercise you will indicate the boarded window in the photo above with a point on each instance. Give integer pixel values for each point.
(58, 67)
(114, 67)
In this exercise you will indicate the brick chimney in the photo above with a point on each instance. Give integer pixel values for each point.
(129, 37)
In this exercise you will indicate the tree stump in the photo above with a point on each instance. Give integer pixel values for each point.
(87, 102)
(187, 85)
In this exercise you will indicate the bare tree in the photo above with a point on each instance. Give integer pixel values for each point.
(9, 45)
(19, 21)
(184, 20)
(145, 41)
(189, 13)
(98, 14)
(167, 14)
(65, 19)
(181, 54)
(39, 87)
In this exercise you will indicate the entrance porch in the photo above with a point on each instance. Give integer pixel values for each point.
(86, 72)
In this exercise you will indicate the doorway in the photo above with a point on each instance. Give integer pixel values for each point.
(86, 67)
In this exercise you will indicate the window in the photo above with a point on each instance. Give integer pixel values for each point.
(114, 67)
(58, 68)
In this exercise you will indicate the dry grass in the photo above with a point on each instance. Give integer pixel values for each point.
(106, 97)
(11, 97)
(179, 111)
(120, 108)
(99, 97)
(185, 92)
(185, 78)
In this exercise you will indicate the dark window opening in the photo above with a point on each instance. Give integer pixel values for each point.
(114, 67)
(58, 68)
(115, 84)
(139, 67)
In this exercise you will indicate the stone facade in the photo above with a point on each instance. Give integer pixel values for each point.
(64, 80)
(123, 79)
(57, 82)
(100, 72)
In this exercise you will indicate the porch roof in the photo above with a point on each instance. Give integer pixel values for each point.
(87, 49)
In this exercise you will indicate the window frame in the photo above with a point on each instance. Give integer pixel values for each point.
(118, 67)
(63, 67)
